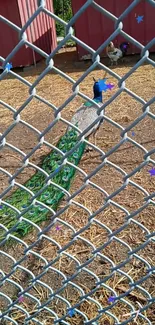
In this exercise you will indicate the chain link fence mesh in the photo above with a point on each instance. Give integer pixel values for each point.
(50, 295)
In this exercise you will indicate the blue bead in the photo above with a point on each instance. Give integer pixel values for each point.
(31, 212)
(65, 179)
(24, 206)
(67, 169)
(71, 312)
(75, 155)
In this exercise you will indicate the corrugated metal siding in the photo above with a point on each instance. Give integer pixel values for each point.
(94, 28)
(42, 32)
(8, 36)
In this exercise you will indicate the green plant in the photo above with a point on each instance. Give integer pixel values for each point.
(63, 9)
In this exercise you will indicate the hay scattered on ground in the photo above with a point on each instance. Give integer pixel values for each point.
(124, 110)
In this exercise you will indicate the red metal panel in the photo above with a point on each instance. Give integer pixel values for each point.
(42, 32)
(94, 28)
(143, 32)
(8, 36)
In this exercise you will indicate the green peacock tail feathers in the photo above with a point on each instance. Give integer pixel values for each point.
(51, 196)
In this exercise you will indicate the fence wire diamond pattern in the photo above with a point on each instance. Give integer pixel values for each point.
(56, 302)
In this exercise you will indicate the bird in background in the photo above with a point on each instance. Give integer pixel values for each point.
(114, 53)
(52, 194)
(87, 113)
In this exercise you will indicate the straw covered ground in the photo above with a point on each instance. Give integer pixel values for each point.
(124, 110)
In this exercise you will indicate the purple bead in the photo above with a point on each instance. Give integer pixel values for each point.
(111, 299)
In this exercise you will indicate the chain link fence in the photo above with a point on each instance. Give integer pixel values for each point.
(66, 298)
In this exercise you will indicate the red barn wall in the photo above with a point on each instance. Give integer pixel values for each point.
(94, 28)
(42, 32)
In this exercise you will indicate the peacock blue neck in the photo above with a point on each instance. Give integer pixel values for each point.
(97, 94)
(98, 98)
(88, 104)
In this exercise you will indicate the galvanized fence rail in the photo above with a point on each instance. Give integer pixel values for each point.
(7, 316)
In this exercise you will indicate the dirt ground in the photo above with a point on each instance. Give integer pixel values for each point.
(124, 110)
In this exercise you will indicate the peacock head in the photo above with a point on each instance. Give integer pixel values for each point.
(124, 47)
(97, 89)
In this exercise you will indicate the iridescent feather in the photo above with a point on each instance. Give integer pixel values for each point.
(21, 199)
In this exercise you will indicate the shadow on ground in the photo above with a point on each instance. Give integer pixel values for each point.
(67, 61)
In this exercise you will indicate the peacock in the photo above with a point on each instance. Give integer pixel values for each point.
(21, 199)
